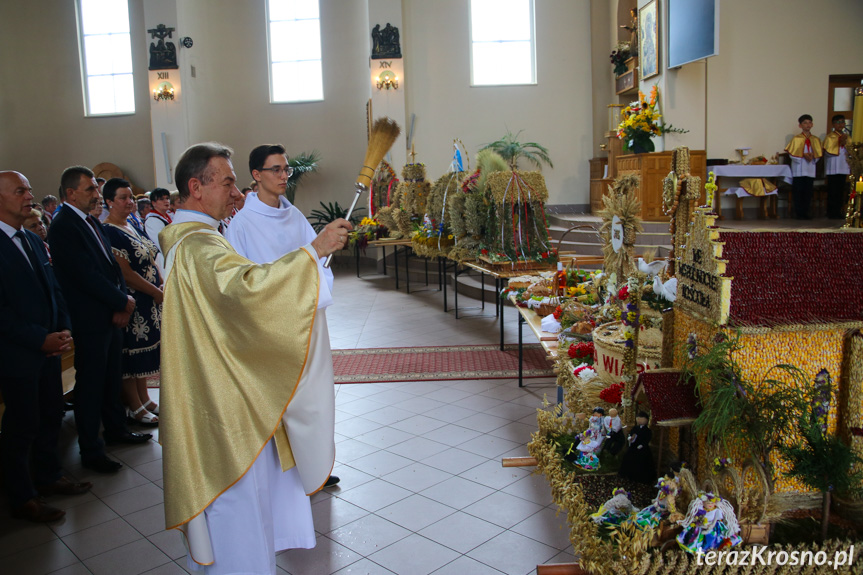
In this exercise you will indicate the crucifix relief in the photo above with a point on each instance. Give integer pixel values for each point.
(163, 55)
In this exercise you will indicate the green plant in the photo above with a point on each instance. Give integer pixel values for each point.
(755, 417)
(823, 461)
(511, 150)
(305, 163)
(331, 211)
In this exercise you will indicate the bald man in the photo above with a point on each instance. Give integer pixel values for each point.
(34, 332)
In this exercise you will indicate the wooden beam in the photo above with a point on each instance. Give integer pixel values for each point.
(518, 462)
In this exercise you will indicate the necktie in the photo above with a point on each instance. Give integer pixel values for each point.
(93, 224)
(31, 256)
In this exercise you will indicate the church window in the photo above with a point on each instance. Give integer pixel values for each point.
(105, 48)
(503, 49)
(294, 46)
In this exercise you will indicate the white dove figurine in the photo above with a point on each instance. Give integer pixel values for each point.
(652, 268)
(668, 290)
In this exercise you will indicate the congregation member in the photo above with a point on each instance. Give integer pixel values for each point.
(804, 150)
(238, 334)
(100, 308)
(158, 218)
(49, 204)
(136, 255)
(35, 223)
(35, 330)
(836, 168)
(99, 212)
(144, 207)
(267, 228)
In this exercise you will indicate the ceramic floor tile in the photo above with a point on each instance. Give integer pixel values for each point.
(380, 463)
(384, 437)
(351, 449)
(546, 526)
(389, 415)
(356, 426)
(82, 517)
(513, 554)
(502, 509)
(448, 395)
(533, 487)
(75, 569)
(511, 411)
(515, 431)
(480, 403)
(166, 569)
(123, 480)
(483, 422)
(452, 435)
(390, 396)
(135, 499)
(170, 542)
(368, 535)
(419, 404)
(101, 538)
(66, 502)
(148, 521)
(488, 446)
(454, 460)
(415, 555)
(418, 424)
(417, 477)
(334, 512)
(457, 492)
(364, 567)
(417, 448)
(350, 477)
(135, 455)
(325, 558)
(44, 558)
(374, 495)
(152, 471)
(136, 557)
(359, 406)
(415, 512)
(494, 475)
(464, 566)
(461, 532)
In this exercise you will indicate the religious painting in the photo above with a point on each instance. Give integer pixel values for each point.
(648, 39)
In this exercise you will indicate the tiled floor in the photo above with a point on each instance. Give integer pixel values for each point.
(422, 489)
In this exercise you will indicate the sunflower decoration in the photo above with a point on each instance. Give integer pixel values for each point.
(620, 225)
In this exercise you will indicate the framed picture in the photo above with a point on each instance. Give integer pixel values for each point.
(648, 39)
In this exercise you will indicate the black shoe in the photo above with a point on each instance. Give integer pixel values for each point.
(102, 465)
(129, 437)
(331, 480)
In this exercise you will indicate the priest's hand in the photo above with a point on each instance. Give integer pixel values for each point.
(332, 238)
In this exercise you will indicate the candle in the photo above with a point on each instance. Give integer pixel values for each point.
(858, 187)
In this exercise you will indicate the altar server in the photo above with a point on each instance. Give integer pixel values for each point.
(836, 168)
(804, 149)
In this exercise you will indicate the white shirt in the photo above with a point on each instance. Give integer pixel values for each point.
(836, 164)
(10, 231)
(99, 240)
(263, 234)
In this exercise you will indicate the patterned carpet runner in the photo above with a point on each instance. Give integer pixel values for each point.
(437, 363)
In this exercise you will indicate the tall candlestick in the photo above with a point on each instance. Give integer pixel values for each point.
(857, 128)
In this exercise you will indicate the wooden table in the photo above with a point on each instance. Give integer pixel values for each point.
(742, 171)
(547, 340)
(501, 276)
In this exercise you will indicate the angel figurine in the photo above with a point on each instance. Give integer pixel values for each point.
(710, 523)
(616, 510)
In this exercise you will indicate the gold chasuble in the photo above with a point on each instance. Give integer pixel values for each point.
(797, 146)
(831, 143)
(235, 341)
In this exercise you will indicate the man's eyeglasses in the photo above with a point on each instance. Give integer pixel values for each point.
(279, 170)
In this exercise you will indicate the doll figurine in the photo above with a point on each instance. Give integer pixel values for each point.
(663, 506)
(616, 510)
(614, 432)
(637, 463)
(591, 441)
(710, 523)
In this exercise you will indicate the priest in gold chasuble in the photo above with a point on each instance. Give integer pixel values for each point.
(235, 344)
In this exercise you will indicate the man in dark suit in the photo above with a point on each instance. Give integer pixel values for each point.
(34, 332)
(100, 308)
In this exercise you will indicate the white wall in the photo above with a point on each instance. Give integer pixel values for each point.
(773, 65)
(556, 113)
(43, 129)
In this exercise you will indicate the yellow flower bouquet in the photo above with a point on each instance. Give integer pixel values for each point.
(640, 122)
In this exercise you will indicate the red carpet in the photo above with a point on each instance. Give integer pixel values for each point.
(437, 363)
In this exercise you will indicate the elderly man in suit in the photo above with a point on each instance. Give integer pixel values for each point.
(34, 332)
(100, 308)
